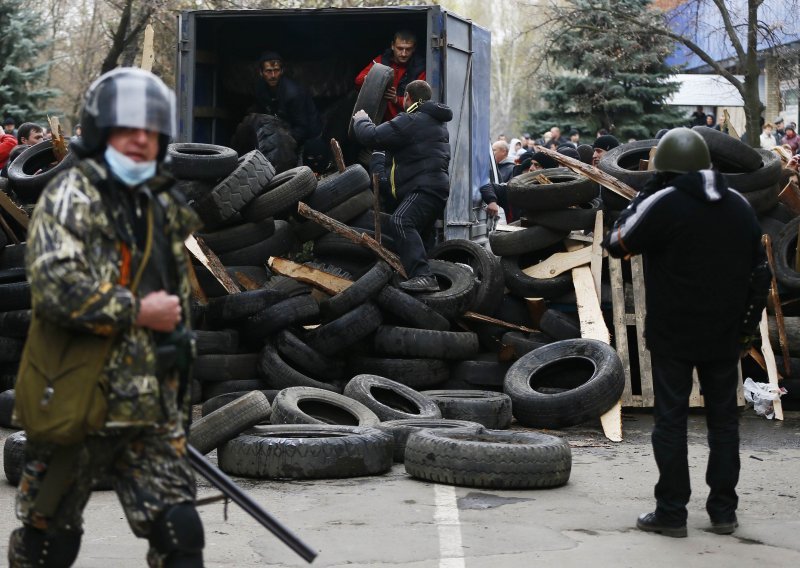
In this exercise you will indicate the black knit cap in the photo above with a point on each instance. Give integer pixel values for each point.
(269, 56)
(570, 151)
(544, 160)
(606, 142)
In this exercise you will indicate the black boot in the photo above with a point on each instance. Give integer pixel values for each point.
(649, 522)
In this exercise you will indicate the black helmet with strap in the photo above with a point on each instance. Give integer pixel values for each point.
(126, 97)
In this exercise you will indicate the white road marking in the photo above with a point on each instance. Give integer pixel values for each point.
(451, 552)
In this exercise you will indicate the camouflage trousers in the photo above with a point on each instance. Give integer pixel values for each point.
(148, 468)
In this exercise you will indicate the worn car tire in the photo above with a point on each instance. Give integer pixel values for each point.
(211, 390)
(590, 371)
(490, 459)
(229, 421)
(762, 200)
(410, 310)
(229, 197)
(785, 247)
(22, 173)
(306, 359)
(530, 239)
(559, 325)
(346, 330)
(524, 286)
(728, 153)
(349, 209)
(485, 266)
(768, 175)
(403, 428)
(360, 291)
(214, 368)
(221, 400)
(278, 374)
(425, 343)
(457, 289)
(492, 409)
(194, 161)
(308, 405)
(295, 310)
(282, 194)
(371, 95)
(232, 308)
(15, 296)
(239, 236)
(415, 373)
(338, 187)
(7, 399)
(305, 451)
(15, 323)
(579, 218)
(567, 189)
(622, 163)
(390, 400)
(279, 244)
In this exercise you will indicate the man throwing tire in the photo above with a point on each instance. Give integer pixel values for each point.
(419, 147)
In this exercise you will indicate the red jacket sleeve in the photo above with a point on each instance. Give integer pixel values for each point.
(7, 143)
(364, 71)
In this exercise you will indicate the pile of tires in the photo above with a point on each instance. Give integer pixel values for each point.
(31, 171)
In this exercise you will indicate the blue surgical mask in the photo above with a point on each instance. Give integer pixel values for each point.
(131, 173)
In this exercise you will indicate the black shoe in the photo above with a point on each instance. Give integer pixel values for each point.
(649, 522)
(726, 526)
(420, 284)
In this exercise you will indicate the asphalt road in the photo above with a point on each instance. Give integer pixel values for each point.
(394, 520)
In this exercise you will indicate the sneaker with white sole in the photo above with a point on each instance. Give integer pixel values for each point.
(420, 284)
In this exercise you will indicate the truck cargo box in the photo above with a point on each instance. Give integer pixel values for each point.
(324, 49)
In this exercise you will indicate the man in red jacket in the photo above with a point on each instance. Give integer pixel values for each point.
(7, 143)
(408, 66)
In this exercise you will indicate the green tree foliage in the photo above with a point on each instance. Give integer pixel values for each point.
(612, 75)
(22, 75)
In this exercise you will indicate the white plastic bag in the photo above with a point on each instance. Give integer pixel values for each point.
(761, 396)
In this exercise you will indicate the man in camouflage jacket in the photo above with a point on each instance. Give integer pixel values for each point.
(86, 241)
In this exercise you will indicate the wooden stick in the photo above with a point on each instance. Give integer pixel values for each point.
(8, 231)
(347, 232)
(336, 150)
(591, 172)
(776, 305)
(376, 206)
(769, 359)
(246, 282)
(488, 319)
(16, 212)
(543, 180)
(207, 258)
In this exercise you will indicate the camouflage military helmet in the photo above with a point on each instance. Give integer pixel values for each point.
(682, 150)
(126, 97)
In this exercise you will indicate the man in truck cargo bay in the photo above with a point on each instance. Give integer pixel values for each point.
(407, 65)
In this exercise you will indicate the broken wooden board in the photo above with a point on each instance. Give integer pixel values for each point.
(319, 279)
(621, 326)
(148, 55)
(559, 263)
(347, 232)
(593, 326)
(598, 253)
(338, 158)
(776, 306)
(207, 258)
(591, 172)
(16, 212)
(769, 360)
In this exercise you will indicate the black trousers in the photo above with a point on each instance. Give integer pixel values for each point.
(672, 383)
(414, 216)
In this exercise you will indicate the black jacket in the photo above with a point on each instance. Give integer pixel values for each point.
(290, 102)
(420, 146)
(706, 273)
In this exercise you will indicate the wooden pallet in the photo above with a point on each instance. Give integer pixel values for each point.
(624, 319)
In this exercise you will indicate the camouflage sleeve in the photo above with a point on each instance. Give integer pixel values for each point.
(65, 286)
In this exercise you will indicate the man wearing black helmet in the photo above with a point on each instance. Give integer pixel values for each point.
(106, 264)
(705, 296)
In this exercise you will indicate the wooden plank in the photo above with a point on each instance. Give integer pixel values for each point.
(598, 253)
(559, 263)
(207, 258)
(621, 322)
(148, 55)
(645, 366)
(16, 212)
(338, 158)
(347, 232)
(246, 282)
(593, 326)
(769, 359)
(776, 306)
(317, 278)
(8, 231)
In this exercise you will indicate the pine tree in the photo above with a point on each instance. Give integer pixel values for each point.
(22, 93)
(614, 75)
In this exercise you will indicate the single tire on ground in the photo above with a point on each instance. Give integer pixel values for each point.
(306, 451)
(308, 405)
(221, 400)
(390, 400)
(492, 409)
(401, 429)
(490, 459)
(229, 421)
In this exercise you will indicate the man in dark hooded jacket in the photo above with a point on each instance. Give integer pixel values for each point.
(707, 279)
(419, 144)
(280, 96)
